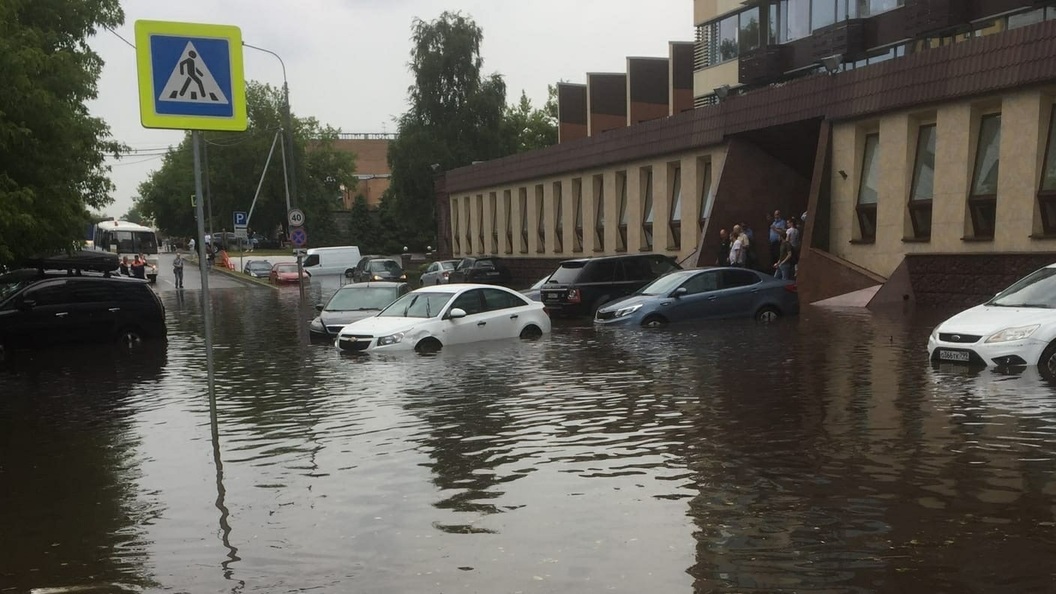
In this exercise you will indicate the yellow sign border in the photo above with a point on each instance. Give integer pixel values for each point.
(144, 65)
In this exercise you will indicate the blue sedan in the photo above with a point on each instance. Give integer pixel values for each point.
(705, 293)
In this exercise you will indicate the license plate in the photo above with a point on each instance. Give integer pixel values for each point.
(552, 296)
(953, 355)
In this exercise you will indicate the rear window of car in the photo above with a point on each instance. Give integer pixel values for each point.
(567, 273)
(484, 264)
(600, 271)
(448, 265)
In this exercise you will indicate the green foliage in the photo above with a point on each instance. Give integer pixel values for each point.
(52, 152)
(527, 129)
(236, 161)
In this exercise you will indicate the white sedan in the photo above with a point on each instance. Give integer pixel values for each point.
(1016, 328)
(432, 317)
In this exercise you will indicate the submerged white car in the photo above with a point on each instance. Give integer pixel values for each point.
(433, 317)
(1014, 329)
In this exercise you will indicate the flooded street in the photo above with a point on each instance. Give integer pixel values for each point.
(818, 454)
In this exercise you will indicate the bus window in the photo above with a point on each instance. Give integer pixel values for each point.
(146, 242)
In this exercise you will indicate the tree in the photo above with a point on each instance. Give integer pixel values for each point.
(527, 129)
(52, 152)
(456, 117)
(236, 162)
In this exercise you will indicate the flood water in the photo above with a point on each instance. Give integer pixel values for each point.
(818, 454)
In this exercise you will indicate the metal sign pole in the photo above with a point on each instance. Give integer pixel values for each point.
(207, 310)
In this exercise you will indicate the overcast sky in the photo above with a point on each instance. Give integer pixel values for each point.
(347, 59)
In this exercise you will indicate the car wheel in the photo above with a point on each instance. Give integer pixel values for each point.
(654, 321)
(531, 332)
(428, 345)
(1047, 362)
(767, 314)
(129, 338)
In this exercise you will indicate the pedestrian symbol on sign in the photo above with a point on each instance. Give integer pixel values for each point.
(191, 81)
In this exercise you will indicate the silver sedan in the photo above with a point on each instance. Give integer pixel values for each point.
(438, 273)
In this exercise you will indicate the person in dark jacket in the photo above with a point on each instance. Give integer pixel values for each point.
(723, 254)
(123, 268)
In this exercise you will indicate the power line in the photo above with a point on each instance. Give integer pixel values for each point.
(130, 44)
(137, 162)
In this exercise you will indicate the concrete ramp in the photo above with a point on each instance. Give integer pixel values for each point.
(860, 298)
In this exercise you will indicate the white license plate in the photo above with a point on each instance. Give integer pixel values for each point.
(953, 355)
(554, 296)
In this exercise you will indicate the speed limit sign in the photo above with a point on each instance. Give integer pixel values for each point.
(295, 217)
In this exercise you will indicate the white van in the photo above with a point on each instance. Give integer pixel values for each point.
(331, 260)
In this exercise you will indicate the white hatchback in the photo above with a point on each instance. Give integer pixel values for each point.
(432, 317)
(1014, 329)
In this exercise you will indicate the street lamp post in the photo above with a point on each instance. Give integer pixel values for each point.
(287, 125)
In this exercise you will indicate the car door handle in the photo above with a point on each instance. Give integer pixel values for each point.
(62, 314)
(712, 298)
(114, 309)
(514, 317)
(481, 323)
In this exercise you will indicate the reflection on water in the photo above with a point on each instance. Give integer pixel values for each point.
(816, 454)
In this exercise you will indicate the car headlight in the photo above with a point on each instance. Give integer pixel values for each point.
(376, 277)
(626, 311)
(403, 277)
(1010, 334)
(390, 339)
(935, 333)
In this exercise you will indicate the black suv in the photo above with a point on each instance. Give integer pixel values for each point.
(580, 287)
(486, 270)
(40, 308)
(376, 268)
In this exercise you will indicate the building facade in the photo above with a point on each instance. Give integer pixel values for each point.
(914, 134)
(372, 165)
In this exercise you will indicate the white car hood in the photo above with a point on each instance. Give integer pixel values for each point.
(985, 320)
(377, 326)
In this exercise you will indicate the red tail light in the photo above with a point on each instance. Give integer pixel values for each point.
(447, 274)
(574, 296)
(791, 287)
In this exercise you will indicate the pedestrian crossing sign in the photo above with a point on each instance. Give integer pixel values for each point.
(190, 76)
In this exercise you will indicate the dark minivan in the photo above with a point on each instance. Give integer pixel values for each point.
(486, 270)
(41, 309)
(580, 287)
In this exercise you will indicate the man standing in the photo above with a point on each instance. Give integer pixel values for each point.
(723, 258)
(177, 269)
(777, 228)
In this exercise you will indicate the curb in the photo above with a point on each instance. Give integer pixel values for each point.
(240, 277)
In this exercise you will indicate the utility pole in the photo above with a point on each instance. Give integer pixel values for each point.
(208, 192)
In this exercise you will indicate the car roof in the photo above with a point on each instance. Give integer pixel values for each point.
(582, 261)
(458, 288)
(373, 284)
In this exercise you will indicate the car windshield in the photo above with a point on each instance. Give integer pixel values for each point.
(357, 298)
(8, 286)
(665, 284)
(1034, 290)
(286, 268)
(258, 265)
(417, 305)
(385, 266)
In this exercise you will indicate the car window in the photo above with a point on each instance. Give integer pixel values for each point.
(702, 283)
(485, 264)
(432, 267)
(661, 265)
(600, 271)
(52, 294)
(464, 263)
(312, 260)
(738, 278)
(360, 298)
(498, 299)
(567, 273)
(92, 292)
(470, 302)
(636, 269)
(448, 265)
(1037, 289)
(385, 266)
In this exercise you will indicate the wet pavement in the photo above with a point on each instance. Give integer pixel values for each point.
(818, 454)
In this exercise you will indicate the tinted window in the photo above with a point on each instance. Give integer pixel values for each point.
(738, 278)
(484, 264)
(465, 263)
(312, 260)
(432, 267)
(660, 265)
(567, 273)
(385, 266)
(638, 269)
(498, 299)
(53, 294)
(702, 283)
(91, 292)
(601, 271)
(470, 302)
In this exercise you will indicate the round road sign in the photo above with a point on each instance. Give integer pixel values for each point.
(295, 217)
(298, 237)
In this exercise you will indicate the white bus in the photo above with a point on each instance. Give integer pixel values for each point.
(126, 240)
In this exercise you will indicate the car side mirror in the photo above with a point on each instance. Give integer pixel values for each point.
(679, 292)
(318, 307)
(456, 313)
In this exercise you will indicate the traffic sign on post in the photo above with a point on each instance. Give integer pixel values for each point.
(299, 237)
(190, 76)
(241, 220)
(295, 217)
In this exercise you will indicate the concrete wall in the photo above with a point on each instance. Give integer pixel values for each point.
(707, 80)
(706, 10)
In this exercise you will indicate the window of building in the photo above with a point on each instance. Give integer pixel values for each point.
(507, 201)
(1047, 193)
(647, 209)
(674, 239)
(599, 213)
(822, 13)
(469, 225)
(457, 231)
(1023, 19)
(923, 187)
(493, 205)
(793, 20)
(541, 213)
(577, 210)
(621, 200)
(523, 204)
(723, 41)
(868, 8)
(748, 30)
(707, 197)
(982, 204)
(480, 222)
(867, 188)
(559, 218)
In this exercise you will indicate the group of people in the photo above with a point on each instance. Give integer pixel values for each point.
(137, 268)
(785, 237)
